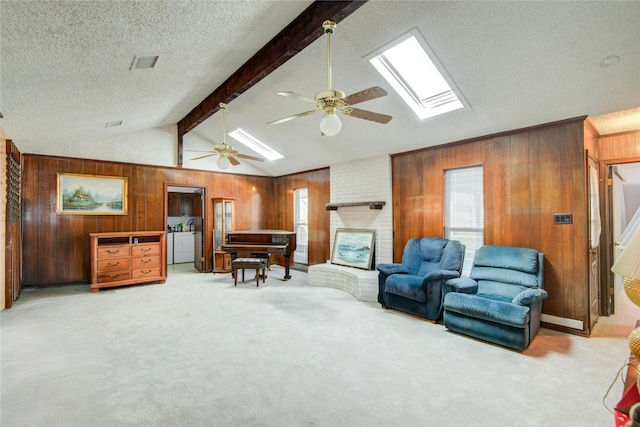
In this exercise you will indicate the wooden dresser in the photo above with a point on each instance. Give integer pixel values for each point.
(126, 258)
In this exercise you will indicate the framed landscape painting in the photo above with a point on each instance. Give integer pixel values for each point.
(91, 194)
(353, 248)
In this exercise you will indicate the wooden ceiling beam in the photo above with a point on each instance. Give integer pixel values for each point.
(300, 33)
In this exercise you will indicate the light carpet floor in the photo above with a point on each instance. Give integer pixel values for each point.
(197, 351)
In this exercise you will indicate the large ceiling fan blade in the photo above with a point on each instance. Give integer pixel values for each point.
(365, 95)
(370, 115)
(298, 97)
(295, 116)
(246, 156)
(202, 157)
(233, 160)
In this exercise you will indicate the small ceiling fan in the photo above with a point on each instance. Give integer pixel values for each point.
(331, 101)
(225, 151)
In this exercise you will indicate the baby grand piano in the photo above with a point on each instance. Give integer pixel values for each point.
(262, 242)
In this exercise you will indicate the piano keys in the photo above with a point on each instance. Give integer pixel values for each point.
(262, 242)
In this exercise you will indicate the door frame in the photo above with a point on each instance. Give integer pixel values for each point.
(206, 229)
(607, 307)
(593, 254)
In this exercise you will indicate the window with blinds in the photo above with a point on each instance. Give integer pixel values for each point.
(464, 210)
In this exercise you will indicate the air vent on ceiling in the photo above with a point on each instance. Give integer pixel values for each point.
(143, 62)
(114, 124)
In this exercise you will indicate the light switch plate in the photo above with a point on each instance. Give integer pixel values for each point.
(562, 218)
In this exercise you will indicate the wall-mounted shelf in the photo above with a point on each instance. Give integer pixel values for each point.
(372, 205)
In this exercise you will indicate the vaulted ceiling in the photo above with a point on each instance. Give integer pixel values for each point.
(66, 73)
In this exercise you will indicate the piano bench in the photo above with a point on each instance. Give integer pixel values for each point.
(252, 264)
(266, 257)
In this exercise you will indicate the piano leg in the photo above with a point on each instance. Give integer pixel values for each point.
(287, 262)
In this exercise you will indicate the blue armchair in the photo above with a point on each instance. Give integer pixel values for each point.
(501, 301)
(415, 286)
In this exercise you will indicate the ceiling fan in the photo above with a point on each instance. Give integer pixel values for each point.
(225, 151)
(331, 101)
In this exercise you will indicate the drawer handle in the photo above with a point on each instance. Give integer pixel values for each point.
(109, 251)
(112, 264)
(145, 250)
(145, 272)
(113, 276)
(145, 260)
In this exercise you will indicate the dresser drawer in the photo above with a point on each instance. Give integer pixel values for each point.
(113, 252)
(145, 261)
(141, 272)
(145, 249)
(113, 276)
(111, 264)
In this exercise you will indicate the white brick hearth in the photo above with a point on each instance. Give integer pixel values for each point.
(362, 284)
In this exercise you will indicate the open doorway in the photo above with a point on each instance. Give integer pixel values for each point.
(617, 311)
(185, 219)
(624, 205)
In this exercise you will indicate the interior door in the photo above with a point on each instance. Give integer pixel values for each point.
(198, 222)
(595, 229)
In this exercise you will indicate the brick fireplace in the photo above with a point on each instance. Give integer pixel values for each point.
(357, 184)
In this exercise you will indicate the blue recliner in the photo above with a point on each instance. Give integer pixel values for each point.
(501, 301)
(415, 286)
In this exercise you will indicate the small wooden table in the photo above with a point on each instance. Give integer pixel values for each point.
(250, 263)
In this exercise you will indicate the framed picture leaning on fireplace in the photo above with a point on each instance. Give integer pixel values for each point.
(354, 248)
(91, 194)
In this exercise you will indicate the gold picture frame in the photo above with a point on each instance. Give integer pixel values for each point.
(91, 194)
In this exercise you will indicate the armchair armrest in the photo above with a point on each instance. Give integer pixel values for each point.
(441, 274)
(389, 268)
(529, 296)
(462, 285)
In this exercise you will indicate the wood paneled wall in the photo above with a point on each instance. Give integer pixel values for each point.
(528, 176)
(317, 182)
(624, 146)
(56, 247)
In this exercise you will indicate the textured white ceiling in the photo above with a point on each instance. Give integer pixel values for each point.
(65, 74)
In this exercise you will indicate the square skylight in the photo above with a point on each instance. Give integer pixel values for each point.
(255, 144)
(413, 70)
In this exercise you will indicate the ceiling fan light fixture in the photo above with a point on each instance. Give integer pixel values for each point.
(331, 101)
(222, 162)
(330, 124)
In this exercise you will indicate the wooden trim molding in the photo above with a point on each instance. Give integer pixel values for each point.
(589, 125)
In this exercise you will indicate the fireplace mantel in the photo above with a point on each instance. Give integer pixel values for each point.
(372, 205)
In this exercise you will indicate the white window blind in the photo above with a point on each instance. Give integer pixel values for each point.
(464, 210)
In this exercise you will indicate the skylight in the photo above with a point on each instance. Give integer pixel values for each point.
(413, 70)
(255, 144)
